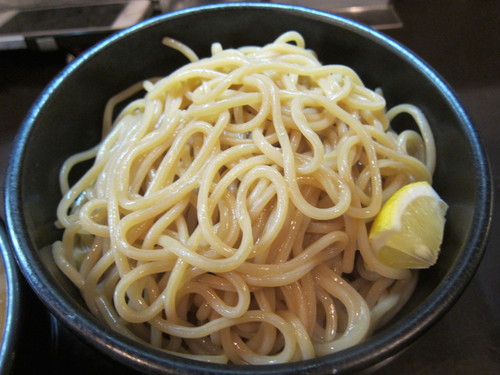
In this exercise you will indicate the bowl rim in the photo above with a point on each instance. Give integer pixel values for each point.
(9, 336)
(368, 353)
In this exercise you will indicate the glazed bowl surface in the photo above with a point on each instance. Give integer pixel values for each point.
(18, 305)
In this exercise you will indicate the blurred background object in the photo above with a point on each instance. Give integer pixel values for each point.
(379, 14)
(65, 24)
(77, 24)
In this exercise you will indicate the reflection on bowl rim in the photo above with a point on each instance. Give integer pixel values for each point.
(373, 350)
(9, 335)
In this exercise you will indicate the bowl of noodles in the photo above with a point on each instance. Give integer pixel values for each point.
(195, 193)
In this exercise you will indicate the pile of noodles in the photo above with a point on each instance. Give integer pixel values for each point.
(225, 216)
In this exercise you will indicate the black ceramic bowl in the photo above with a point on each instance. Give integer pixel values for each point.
(10, 305)
(26, 333)
(67, 117)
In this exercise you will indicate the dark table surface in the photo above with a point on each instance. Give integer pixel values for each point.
(460, 39)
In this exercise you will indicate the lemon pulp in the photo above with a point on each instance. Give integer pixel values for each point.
(408, 231)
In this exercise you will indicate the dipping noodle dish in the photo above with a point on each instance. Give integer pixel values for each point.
(252, 207)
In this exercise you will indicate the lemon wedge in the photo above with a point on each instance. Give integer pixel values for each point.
(408, 231)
